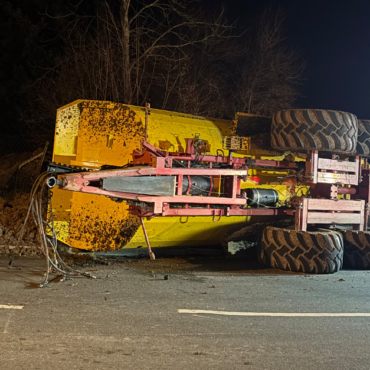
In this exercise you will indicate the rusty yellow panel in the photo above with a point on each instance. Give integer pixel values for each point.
(66, 130)
(104, 133)
(186, 231)
(92, 134)
(107, 134)
(62, 207)
(61, 229)
(174, 129)
(225, 126)
(61, 203)
(98, 223)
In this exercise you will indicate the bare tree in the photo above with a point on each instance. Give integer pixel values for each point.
(129, 51)
(163, 51)
(270, 71)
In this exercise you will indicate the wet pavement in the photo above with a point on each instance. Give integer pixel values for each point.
(140, 315)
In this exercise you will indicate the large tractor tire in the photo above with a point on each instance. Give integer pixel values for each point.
(356, 250)
(314, 129)
(319, 252)
(363, 140)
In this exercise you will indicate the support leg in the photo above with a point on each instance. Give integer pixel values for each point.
(151, 254)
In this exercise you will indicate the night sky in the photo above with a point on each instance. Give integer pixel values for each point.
(333, 38)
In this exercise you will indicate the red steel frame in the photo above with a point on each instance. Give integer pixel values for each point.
(330, 212)
(324, 175)
(152, 162)
(332, 171)
(161, 164)
(160, 205)
(151, 155)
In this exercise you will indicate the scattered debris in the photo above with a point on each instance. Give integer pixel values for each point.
(14, 202)
(12, 178)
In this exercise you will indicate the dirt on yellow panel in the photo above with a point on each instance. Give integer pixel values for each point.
(91, 134)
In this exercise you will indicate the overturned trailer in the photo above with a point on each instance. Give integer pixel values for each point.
(190, 180)
(92, 135)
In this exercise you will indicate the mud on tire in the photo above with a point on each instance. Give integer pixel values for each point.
(363, 140)
(314, 129)
(356, 249)
(319, 252)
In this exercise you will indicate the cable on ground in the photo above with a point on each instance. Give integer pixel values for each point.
(42, 213)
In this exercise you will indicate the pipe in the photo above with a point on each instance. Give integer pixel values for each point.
(199, 185)
(51, 182)
(259, 196)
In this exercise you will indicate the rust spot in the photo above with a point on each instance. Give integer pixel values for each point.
(164, 145)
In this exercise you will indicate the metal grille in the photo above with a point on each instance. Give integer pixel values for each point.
(236, 143)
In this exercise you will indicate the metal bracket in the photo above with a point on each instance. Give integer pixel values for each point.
(330, 212)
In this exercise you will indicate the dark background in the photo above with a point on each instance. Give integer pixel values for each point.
(332, 37)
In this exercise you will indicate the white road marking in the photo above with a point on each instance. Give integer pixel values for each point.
(277, 314)
(10, 315)
(11, 307)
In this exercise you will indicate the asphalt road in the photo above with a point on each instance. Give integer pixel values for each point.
(131, 320)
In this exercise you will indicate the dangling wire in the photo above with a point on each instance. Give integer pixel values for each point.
(42, 213)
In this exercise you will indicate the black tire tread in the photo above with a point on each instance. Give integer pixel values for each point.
(356, 249)
(363, 140)
(314, 129)
(319, 252)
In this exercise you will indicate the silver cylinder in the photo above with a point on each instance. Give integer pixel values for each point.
(262, 197)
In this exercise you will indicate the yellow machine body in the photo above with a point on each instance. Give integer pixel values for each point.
(91, 134)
